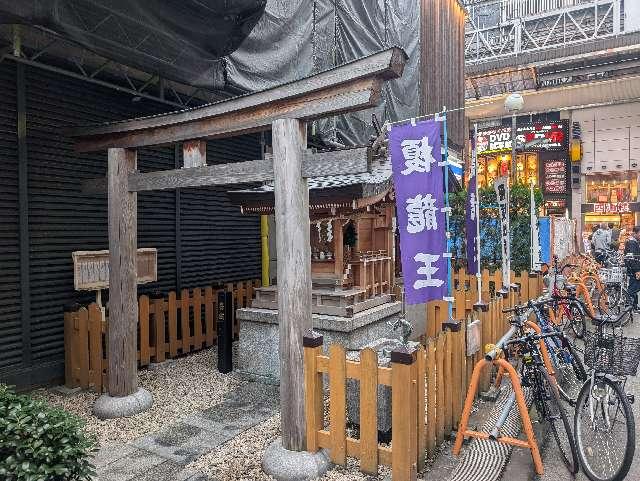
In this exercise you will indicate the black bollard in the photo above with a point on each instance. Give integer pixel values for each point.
(225, 332)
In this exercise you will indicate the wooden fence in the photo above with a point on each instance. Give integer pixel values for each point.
(167, 327)
(434, 383)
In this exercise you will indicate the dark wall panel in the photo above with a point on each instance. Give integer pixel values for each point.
(10, 321)
(219, 244)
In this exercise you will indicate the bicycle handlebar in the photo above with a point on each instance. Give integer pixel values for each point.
(491, 355)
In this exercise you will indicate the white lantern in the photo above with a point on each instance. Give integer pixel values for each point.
(514, 102)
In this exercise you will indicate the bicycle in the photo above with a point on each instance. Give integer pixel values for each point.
(535, 375)
(603, 409)
(568, 369)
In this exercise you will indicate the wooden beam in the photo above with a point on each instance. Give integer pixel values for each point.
(347, 161)
(123, 302)
(194, 153)
(294, 275)
(352, 86)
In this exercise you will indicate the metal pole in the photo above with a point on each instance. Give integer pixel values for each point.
(514, 170)
(446, 197)
(474, 155)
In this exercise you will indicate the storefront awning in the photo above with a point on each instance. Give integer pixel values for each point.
(606, 92)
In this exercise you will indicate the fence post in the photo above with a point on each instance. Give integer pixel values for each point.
(158, 322)
(143, 321)
(337, 404)
(95, 347)
(70, 313)
(432, 382)
(312, 343)
(83, 341)
(403, 456)
(369, 411)
(456, 350)
(420, 388)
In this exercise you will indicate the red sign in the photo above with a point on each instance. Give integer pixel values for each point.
(615, 208)
(555, 177)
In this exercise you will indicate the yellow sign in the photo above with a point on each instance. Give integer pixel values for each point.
(575, 150)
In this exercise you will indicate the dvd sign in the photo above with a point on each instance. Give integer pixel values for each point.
(494, 140)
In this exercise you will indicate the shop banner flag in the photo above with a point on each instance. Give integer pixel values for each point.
(472, 217)
(536, 264)
(418, 176)
(501, 186)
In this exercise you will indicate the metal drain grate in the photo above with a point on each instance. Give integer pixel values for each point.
(484, 459)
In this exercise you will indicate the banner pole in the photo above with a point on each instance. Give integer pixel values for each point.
(447, 210)
(474, 157)
(531, 227)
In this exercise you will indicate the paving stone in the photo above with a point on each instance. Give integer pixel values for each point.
(171, 471)
(110, 453)
(180, 443)
(131, 466)
(228, 422)
(253, 395)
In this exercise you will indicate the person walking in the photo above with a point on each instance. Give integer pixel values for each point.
(632, 262)
(601, 241)
(615, 232)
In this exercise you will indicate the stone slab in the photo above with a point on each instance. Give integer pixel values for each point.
(226, 421)
(132, 466)
(111, 453)
(170, 471)
(65, 391)
(180, 443)
(323, 321)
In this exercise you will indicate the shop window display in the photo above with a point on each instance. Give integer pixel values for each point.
(613, 191)
(490, 167)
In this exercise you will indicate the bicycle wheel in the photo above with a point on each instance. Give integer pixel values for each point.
(570, 372)
(577, 322)
(555, 415)
(605, 441)
(617, 297)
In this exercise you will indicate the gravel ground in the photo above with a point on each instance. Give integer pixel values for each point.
(179, 387)
(240, 459)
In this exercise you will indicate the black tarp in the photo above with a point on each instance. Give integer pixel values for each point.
(181, 40)
(298, 38)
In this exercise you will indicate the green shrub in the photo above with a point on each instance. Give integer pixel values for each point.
(41, 443)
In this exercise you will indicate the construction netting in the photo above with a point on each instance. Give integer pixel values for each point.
(297, 38)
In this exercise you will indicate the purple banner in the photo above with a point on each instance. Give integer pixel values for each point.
(419, 186)
(471, 216)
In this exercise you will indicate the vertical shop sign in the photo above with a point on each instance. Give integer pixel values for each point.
(418, 178)
(472, 215)
(501, 186)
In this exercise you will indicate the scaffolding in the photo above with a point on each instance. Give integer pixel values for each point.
(503, 28)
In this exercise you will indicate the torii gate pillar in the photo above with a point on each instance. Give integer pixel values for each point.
(294, 273)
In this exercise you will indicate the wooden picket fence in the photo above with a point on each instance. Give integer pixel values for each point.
(428, 391)
(167, 328)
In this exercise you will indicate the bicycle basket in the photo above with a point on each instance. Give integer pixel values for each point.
(611, 274)
(612, 354)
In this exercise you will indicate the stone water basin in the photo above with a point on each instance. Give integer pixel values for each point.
(383, 347)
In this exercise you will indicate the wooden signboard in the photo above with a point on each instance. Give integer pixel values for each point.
(91, 268)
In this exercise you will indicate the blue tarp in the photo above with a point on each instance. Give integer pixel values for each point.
(545, 239)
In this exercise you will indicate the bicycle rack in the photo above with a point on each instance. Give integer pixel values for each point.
(530, 443)
(489, 361)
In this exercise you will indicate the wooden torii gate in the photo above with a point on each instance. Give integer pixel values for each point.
(285, 109)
